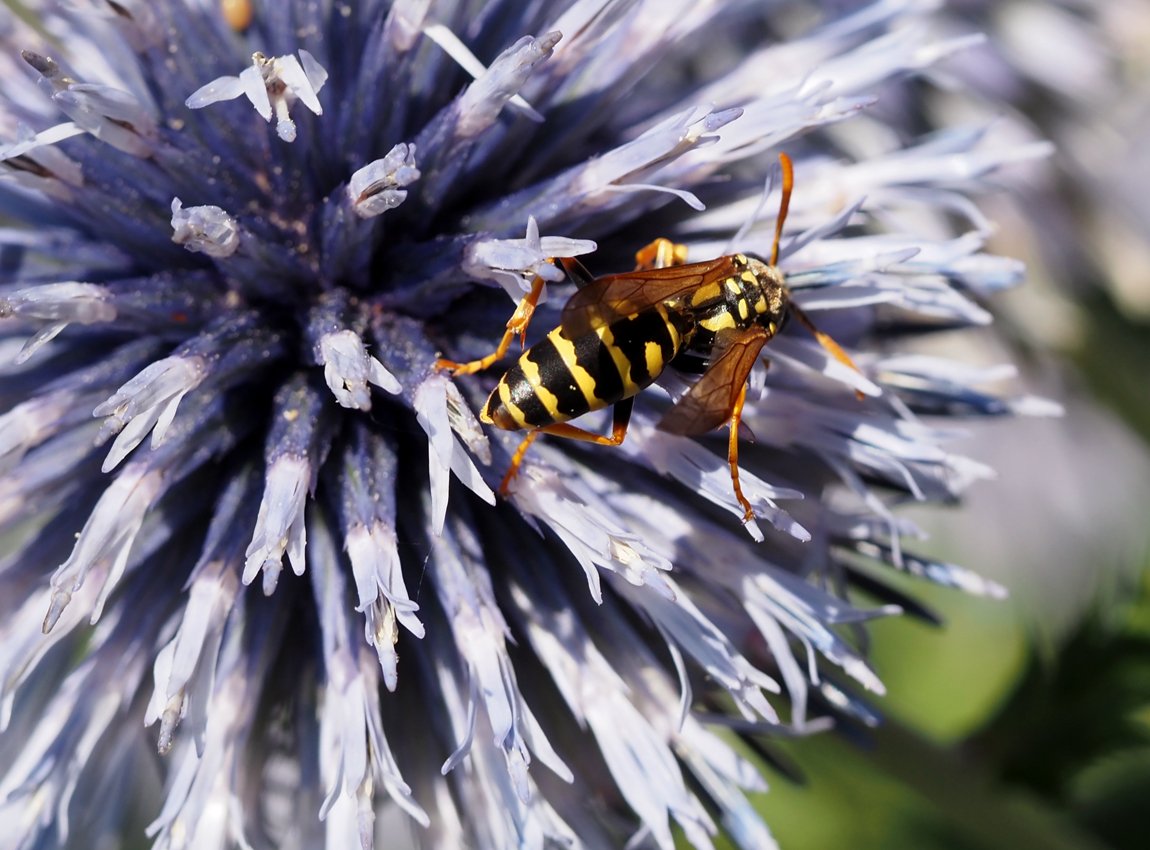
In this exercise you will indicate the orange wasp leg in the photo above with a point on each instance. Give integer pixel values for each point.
(660, 254)
(516, 326)
(620, 419)
(733, 455)
(828, 343)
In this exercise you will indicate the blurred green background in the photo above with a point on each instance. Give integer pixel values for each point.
(994, 737)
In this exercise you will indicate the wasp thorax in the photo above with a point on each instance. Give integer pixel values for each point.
(758, 294)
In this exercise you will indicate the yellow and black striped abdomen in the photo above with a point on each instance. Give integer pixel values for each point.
(560, 378)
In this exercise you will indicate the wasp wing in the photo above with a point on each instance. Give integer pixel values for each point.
(711, 401)
(608, 299)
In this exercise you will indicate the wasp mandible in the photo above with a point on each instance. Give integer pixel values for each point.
(620, 332)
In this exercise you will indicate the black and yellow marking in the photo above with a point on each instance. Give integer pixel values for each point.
(619, 333)
(559, 378)
(734, 309)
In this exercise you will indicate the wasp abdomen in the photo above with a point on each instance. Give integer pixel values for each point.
(560, 378)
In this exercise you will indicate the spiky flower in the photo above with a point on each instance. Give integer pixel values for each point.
(235, 249)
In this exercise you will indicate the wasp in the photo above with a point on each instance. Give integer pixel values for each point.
(618, 334)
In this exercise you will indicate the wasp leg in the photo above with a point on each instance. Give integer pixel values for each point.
(827, 342)
(620, 419)
(660, 254)
(733, 454)
(516, 326)
(516, 461)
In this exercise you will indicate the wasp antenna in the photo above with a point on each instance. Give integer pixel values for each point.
(784, 204)
(827, 342)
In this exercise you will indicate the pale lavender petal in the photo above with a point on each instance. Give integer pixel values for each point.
(207, 229)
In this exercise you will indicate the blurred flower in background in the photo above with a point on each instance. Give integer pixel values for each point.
(1075, 73)
(237, 240)
(1054, 725)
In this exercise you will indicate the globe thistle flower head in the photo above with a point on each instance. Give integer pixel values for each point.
(237, 246)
